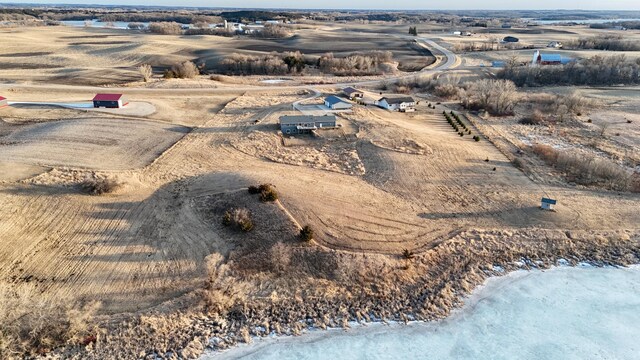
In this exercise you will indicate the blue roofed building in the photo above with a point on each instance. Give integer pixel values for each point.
(335, 103)
(549, 59)
(548, 204)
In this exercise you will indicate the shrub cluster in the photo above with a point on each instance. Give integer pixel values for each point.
(267, 192)
(165, 28)
(184, 70)
(99, 185)
(239, 219)
(358, 64)
(32, 324)
(498, 97)
(273, 31)
(607, 42)
(598, 70)
(270, 64)
(306, 233)
(586, 169)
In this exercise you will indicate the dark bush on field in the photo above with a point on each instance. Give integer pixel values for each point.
(306, 233)
(239, 219)
(268, 193)
(184, 70)
(254, 190)
(99, 185)
(536, 118)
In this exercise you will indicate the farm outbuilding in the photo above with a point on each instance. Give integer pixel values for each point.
(352, 93)
(109, 101)
(548, 204)
(335, 103)
(3, 102)
(404, 104)
(304, 124)
(549, 59)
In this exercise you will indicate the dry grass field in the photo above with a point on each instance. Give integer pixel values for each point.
(383, 183)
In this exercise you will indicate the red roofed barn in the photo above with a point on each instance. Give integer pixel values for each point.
(3, 102)
(109, 101)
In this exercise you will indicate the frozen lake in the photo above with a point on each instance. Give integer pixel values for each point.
(564, 313)
(584, 21)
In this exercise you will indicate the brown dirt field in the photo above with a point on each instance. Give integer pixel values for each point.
(111, 56)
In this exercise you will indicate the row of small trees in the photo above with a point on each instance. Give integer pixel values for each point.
(607, 42)
(460, 127)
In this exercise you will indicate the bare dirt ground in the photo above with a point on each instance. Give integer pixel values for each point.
(384, 183)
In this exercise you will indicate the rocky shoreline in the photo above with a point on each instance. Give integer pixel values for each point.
(236, 306)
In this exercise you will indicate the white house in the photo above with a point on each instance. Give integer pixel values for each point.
(403, 104)
(335, 103)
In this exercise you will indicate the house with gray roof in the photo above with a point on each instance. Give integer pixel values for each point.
(352, 93)
(335, 103)
(403, 104)
(304, 124)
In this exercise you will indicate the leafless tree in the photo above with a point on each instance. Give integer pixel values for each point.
(146, 71)
(496, 96)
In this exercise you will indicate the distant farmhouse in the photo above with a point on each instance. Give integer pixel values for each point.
(403, 104)
(3, 102)
(109, 101)
(304, 124)
(549, 59)
(555, 45)
(352, 93)
(510, 39)
(335, 103)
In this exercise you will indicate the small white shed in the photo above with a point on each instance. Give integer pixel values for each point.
(548, 204)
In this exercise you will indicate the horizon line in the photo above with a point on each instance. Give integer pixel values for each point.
(297, 9)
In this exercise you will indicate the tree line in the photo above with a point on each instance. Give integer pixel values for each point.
(594, 71)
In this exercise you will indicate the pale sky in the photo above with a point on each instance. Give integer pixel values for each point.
(376, 4)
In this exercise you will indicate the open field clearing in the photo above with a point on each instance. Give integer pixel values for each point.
(92, 143)
(109, 57)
